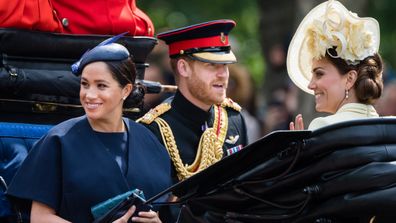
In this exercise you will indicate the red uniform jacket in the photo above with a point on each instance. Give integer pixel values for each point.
(107, 17)
(103, 17)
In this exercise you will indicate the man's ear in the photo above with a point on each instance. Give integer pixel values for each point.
(184, 68)
(351, 79)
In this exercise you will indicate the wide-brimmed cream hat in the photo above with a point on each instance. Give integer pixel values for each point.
(326, 26)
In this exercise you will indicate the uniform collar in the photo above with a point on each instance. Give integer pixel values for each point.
(188, 109)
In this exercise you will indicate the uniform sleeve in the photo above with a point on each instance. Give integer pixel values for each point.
(39, 177)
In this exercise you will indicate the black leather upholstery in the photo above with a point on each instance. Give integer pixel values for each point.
(341, 173)
(35, 44)
(36, 78)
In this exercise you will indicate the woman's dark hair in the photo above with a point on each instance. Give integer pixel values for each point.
(124, 72)
(369, 84)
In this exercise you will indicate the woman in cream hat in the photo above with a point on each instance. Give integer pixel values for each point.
(334, 56)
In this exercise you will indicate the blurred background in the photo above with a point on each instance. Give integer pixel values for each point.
(259, 81)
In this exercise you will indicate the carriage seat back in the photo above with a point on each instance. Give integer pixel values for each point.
(16, 140)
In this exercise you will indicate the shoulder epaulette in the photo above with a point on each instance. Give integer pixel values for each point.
(151, 115)
(228, 102)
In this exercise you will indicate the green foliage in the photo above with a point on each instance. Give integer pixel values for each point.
(171, 14)
(177, 13)
(384, 12)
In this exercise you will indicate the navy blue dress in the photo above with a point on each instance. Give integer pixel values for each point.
(70, 169)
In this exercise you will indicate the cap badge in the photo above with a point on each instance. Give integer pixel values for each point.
(222, 38)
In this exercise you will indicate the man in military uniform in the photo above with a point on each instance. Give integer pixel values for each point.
(200, 126)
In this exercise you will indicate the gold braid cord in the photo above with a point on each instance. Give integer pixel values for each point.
(210, 148)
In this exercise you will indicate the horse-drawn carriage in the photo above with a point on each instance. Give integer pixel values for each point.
(341, 173)
(345, 172)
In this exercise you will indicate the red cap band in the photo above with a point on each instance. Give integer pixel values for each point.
(213, 41)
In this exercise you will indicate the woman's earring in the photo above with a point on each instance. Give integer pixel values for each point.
(346, 94)
(124, 98)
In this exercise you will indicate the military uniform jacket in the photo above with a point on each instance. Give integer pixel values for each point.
(70, 169)
(188, 122)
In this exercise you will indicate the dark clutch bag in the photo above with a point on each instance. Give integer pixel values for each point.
(121, 208)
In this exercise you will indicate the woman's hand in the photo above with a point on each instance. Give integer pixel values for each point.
(298, 123)
(42, 213)
(126, 216)
(143, 216)
(147, 216)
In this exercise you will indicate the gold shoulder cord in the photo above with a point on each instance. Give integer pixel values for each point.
(210, 148)
(228, 102)
(151, 115)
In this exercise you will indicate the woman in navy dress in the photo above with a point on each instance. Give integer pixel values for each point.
(86, 160)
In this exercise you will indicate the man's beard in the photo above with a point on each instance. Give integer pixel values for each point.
(203, 92)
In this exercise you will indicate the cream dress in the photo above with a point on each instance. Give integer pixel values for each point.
(347, 112)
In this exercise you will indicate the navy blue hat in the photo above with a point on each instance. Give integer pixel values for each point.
(207, 42)
(104, 51)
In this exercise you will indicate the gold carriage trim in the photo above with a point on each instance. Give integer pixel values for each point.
(210, 148)
(228, 102)
(151, 115)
